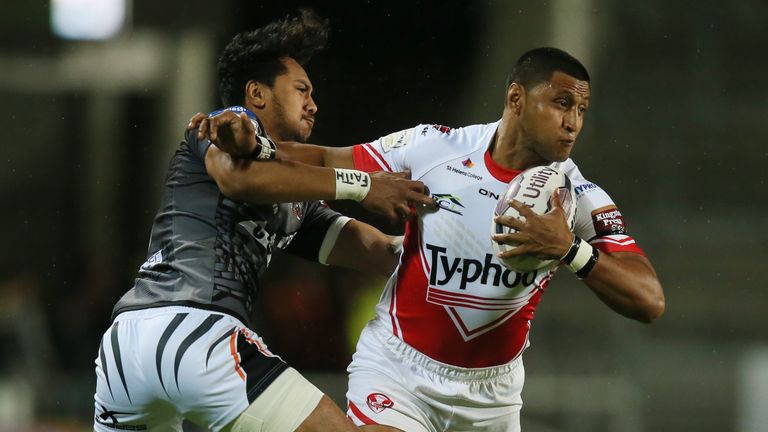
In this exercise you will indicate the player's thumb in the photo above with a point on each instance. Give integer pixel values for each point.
(555, 200)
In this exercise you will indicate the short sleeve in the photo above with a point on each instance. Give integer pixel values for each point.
(318, 219)
(599, 221)
(388, 153)
(198, 147)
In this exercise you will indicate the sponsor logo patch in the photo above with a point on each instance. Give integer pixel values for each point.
(297, 210)
(468, 163)
(378, 402)
(440, 128)
(397, 139)
(471, 175)
(607, 221)
(449, 202)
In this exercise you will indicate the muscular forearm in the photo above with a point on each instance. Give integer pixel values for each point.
(275, 181)
(364, 248)
(627, 283)
(311, 154)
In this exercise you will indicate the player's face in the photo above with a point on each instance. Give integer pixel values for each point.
(292, 108)
(553, 115)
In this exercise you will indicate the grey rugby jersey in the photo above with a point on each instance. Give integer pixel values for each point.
(208, 251)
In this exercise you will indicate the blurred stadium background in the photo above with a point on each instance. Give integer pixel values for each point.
(676, 134)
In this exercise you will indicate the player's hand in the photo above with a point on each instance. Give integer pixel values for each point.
(196, 120)
(394, 195)
(230, 132)
(544, 236)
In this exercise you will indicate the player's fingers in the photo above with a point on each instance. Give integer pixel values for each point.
(423, 200)
(556, 200)
(510, 221)
(202, 131)
(213, 128)
(403, 210)
(195, 121)
(249, 127)
(392, 216)
(521, 208)
(513, 239)
(516, 251)
(402, 174)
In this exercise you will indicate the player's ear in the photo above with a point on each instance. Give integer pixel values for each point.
(255, 93)
(515, 97)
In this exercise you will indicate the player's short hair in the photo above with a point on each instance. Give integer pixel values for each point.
(537, 66)
(257, 54)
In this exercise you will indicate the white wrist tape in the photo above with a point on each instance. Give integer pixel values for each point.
(583, 254)
(265, 149)
(352, 184)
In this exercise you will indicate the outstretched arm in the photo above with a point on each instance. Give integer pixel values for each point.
(625, 281)
(273, 181)
(294, 176)
(364, 248)
(235, 134)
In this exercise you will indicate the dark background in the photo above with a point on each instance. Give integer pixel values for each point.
(675, 133)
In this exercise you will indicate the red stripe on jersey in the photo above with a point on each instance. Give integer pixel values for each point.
(367, 159)
(497, 171)
(613, 243)
(429, 328)
(359, 414)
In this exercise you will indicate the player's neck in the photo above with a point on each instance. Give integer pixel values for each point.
(507, 149)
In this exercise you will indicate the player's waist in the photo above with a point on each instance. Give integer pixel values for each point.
(379, 330)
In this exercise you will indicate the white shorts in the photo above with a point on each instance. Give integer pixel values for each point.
(392, 384)
(159, 366)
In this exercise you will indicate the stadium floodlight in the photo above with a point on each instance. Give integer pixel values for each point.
(87, 19)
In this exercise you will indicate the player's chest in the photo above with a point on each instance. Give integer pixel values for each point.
(466, 194)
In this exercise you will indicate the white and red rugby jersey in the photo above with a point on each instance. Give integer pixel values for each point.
(449, 297)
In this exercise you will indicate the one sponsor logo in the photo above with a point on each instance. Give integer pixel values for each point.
(608, 221)
(537, 182)
(297, 210)
(471, 270)
(468, 163)
(584, 188)
(378, 402)
(488, 194)
(463, 172)
(449, 202)
(440, 128)
(109, 419)
(152, 261)
(394, 140)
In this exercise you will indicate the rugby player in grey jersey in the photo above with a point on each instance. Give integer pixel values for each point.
(179, 346)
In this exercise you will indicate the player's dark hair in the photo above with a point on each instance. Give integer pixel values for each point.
(537, 66)
(257, 54)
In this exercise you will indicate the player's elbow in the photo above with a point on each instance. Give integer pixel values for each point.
(652, 306)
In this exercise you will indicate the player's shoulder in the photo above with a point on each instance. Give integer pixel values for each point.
(583, 187)
(461, 139)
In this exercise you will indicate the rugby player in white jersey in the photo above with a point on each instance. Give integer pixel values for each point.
(179, 346)
(444, 351)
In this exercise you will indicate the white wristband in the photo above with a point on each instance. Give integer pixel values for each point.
(352, 184)
(583, 254)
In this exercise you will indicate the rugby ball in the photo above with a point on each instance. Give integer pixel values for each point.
(533, 187)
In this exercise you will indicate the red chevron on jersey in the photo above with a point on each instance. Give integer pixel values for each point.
(449, 297)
